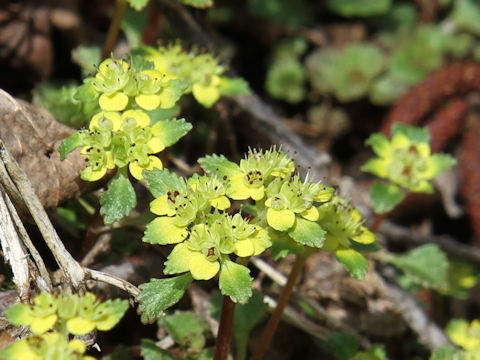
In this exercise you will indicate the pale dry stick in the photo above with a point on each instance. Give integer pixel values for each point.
(112, 280)
(70, 267)
(100, 246)
(13, 251)
(42, 269)
(298, 320)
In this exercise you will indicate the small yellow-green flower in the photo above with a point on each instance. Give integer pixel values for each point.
(40, 317)
(115, 82)
(406, 159)
(288, 198)
(200, 254)
(464, 334)
(248, 179)
(343, 224)
(46, 346)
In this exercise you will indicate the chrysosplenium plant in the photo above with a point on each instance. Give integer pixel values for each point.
(54, 318)
(125, 133)
(406, 162)
(215, 232)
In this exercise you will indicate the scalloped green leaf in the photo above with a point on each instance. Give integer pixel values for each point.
(162, 181)
(427, 265)
(150, 351)
(235, 281)
(308, 233)
(414, 133)
(233, 86)
(119, 198)
(218, 165)
(159, 294)
(385, 196)
(71, 143)
(354, 262)
(446, 352)
(245, 318)
(188, 329)
(172, 130)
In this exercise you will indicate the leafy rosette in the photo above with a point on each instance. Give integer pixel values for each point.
(250, 178)
(344, 229)
(406, 161)
(202, 73)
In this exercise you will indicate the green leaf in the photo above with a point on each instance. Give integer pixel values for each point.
(188, 329)
(163, 114)
(341, 345)
(307, 232)
(162, 181)
(465, 16)
(119, 198)
(86, 92)
(233, 86)
(172, 130)
(385, 197)
(354, 262)
(133, 24)
(235, 281)
(245, 318)
(350, 8)
(201, 4)
(218, 165)
(150, 351)
(121, 352)
(162, 230)
(440, 162)
(414, 133)
(88, 58)
(138, 4)
(60, 101)
(376, 352)
(427, 265)
(446, 352)
(70, 143)
(159, 294)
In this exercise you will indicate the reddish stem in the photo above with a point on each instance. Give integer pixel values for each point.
(225, 330)
(114, 29)
(276, 316)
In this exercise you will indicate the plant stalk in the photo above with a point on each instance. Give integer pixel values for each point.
(276, 316)
(226, 322)
(377, 222)
(225, 329)
(114, 29)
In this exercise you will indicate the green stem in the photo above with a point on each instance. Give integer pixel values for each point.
(114, 29)
(272, 325)
(226, 323)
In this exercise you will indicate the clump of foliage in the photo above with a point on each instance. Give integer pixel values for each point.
(406, 162)
(286, 75)
(347, 73)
